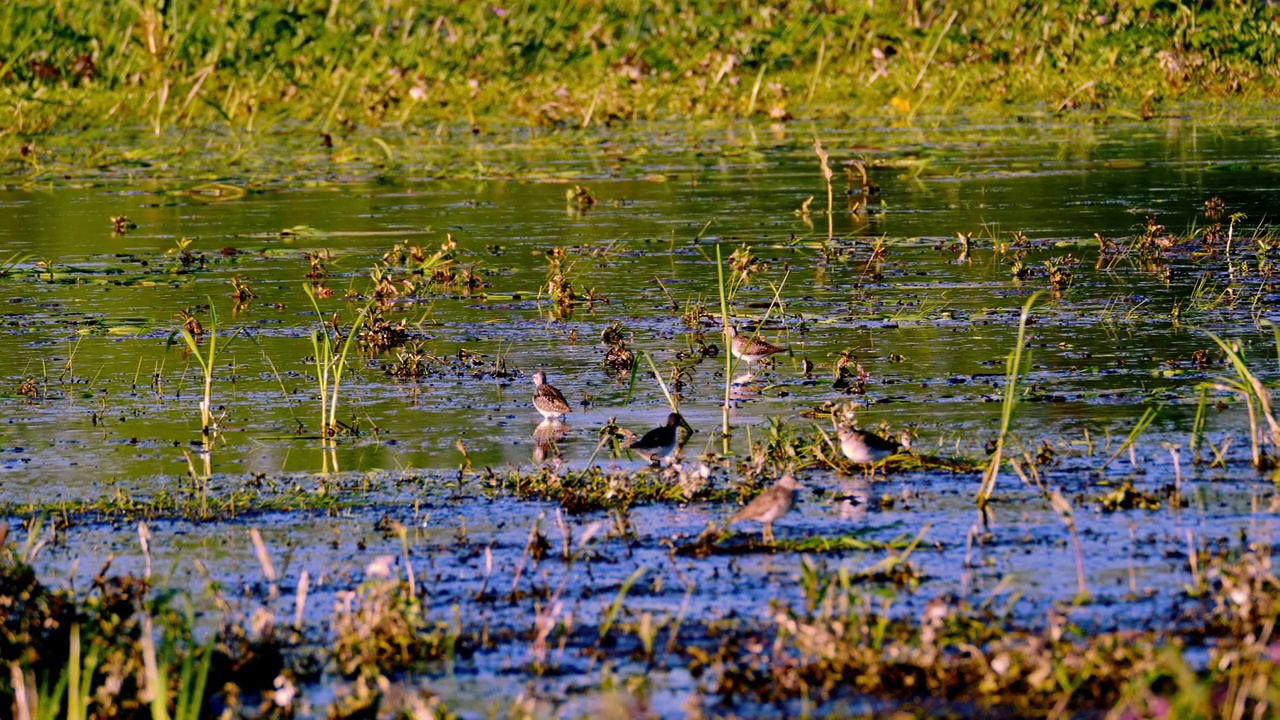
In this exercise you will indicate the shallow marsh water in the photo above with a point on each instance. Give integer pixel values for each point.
(114, 407)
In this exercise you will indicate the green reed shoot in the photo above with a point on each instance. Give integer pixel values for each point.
(1013, 368)
(331, 361)
(7, 266)
(207, 360)
(191, 683)
(80, 676)
(661, 383)
(1139, 427)
(612, 613)
(191, 679)
(827, 177)
(728, 343)
(1257, 397)
(1197, 425)
(45, 703)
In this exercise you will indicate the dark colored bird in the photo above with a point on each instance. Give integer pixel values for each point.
(662, 442)
(769, 505)
(547, 399)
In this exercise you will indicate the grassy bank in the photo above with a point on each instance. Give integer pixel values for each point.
(252, 65)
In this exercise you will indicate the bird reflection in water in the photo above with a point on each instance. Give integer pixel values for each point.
(546, 441)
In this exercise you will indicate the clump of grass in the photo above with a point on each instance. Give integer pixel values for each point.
(579, 197)
(121, 225)
(382, 628)
(97, 656)
(411, 362)
(241, 293)
(207, 360)
(619, 359)
(1257, 398)
(595, 488)
(1127, 497)
(842, 642)
(380, 335)
(124, 650)
(426, 271)
(331, 349)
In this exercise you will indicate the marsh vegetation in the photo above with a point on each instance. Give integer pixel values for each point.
(269, 445)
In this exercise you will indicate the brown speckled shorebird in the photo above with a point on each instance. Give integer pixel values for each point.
(769, 505)
(661, 442)
(751, 349)
(865, 448)
(547, 399)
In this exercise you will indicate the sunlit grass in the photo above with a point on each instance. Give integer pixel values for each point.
(253, 67)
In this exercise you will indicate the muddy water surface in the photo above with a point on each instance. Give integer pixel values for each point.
(921, 289)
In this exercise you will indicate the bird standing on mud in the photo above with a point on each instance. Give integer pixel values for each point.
(769, 505)
(865, 448)
(548, 400)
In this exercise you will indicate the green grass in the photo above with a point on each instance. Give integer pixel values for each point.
(1013, 370)
(254, 66)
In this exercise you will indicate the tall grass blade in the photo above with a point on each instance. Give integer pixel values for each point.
(1140, 427)
(1012, 371)
(612, 614)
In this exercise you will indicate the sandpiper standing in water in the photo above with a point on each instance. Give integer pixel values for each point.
(548, 400)
(661, 443)
(865, 448)
(751, 349)
(769, 505)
